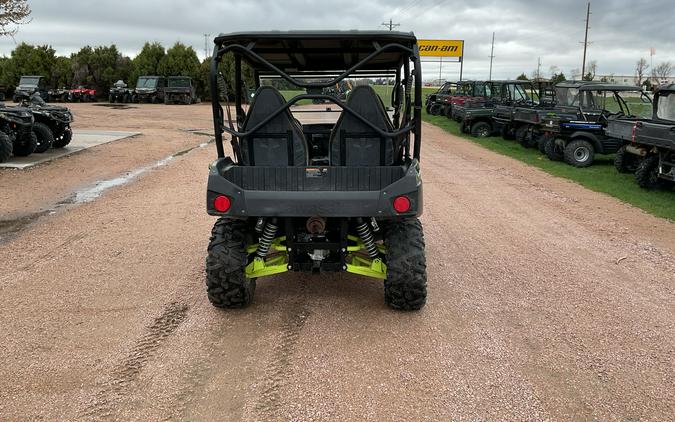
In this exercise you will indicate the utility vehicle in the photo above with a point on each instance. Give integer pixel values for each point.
(16, 132)
(29, 85)
(180, 89)
(52, 123)
(318, 197)
(120, 93)
(149, 89)
(475, 115)
(533, 121)
(475, 91)
(584, 109)
(435, 101)
(514, 94)
(652, 142)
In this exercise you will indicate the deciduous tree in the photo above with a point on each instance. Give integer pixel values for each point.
(146, 62)
(12, 14)
(641, 67)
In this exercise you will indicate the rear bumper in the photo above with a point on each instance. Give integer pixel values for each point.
(307, 195)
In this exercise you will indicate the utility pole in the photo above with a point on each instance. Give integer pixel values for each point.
(206, 47)
(391, 24)
(492, 55)
(588, 17)
(538, 68)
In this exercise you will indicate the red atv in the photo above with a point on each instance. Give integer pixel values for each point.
(81, 94)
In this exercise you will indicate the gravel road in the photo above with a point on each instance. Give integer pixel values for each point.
(546, 301)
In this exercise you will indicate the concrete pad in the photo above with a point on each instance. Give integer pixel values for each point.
(82, 139)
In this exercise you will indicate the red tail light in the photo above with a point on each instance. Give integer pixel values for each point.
(401, 204)
(222, 203)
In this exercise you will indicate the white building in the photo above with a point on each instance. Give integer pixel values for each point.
(630, 80)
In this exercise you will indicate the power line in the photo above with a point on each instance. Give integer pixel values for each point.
(391, 24)
(407, 8)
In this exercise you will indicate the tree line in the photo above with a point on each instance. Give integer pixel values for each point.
(101, 66)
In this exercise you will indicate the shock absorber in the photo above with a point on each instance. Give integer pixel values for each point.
(266, 238)
(366, 236)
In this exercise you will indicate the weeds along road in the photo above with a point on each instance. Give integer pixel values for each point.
(546, 301)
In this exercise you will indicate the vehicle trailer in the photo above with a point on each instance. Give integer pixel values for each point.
(120, 93)
(594, 104)
(180, 89)
(149, 89)
(653, 142)
(345, 201)
(16, 132)
(29, 85)
(51, 123)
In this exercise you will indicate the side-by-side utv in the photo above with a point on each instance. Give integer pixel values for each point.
(650, 150)
(350, 203)
(435, 101)
(584, 110)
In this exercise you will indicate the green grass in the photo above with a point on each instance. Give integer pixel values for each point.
(600, 177)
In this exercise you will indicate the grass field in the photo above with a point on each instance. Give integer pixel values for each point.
(600, 177)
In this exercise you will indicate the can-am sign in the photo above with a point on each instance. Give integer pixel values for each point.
(441, 48)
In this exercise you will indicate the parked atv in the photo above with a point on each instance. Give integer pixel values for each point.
(58, 95)
(149, 89)
(16, 132)
(180, 89)
(288, 202)
(81, 94)
(120, 93)
(52, 123)
(28, 85)
(652, 145)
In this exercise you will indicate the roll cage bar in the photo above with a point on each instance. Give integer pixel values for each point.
(615, 90)
(411, 122)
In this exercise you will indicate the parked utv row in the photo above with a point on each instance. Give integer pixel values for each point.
(151, 89)
(155, 89)
(29, 85)
(573, 122)
(33, 126)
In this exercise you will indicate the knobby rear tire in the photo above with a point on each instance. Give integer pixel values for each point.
(226, 284)
(406, 285)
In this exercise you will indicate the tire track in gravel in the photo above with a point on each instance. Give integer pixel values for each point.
(277, 370)
(124, 375)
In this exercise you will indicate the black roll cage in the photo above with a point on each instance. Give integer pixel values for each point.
(411, 121)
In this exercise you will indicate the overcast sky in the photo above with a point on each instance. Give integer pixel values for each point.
(621, 31)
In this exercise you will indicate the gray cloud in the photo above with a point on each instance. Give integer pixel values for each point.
(621, 31)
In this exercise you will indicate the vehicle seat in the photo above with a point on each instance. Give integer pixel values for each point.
(352, 142)
(278, 143)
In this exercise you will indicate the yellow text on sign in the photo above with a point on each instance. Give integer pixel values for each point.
(441, 48)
